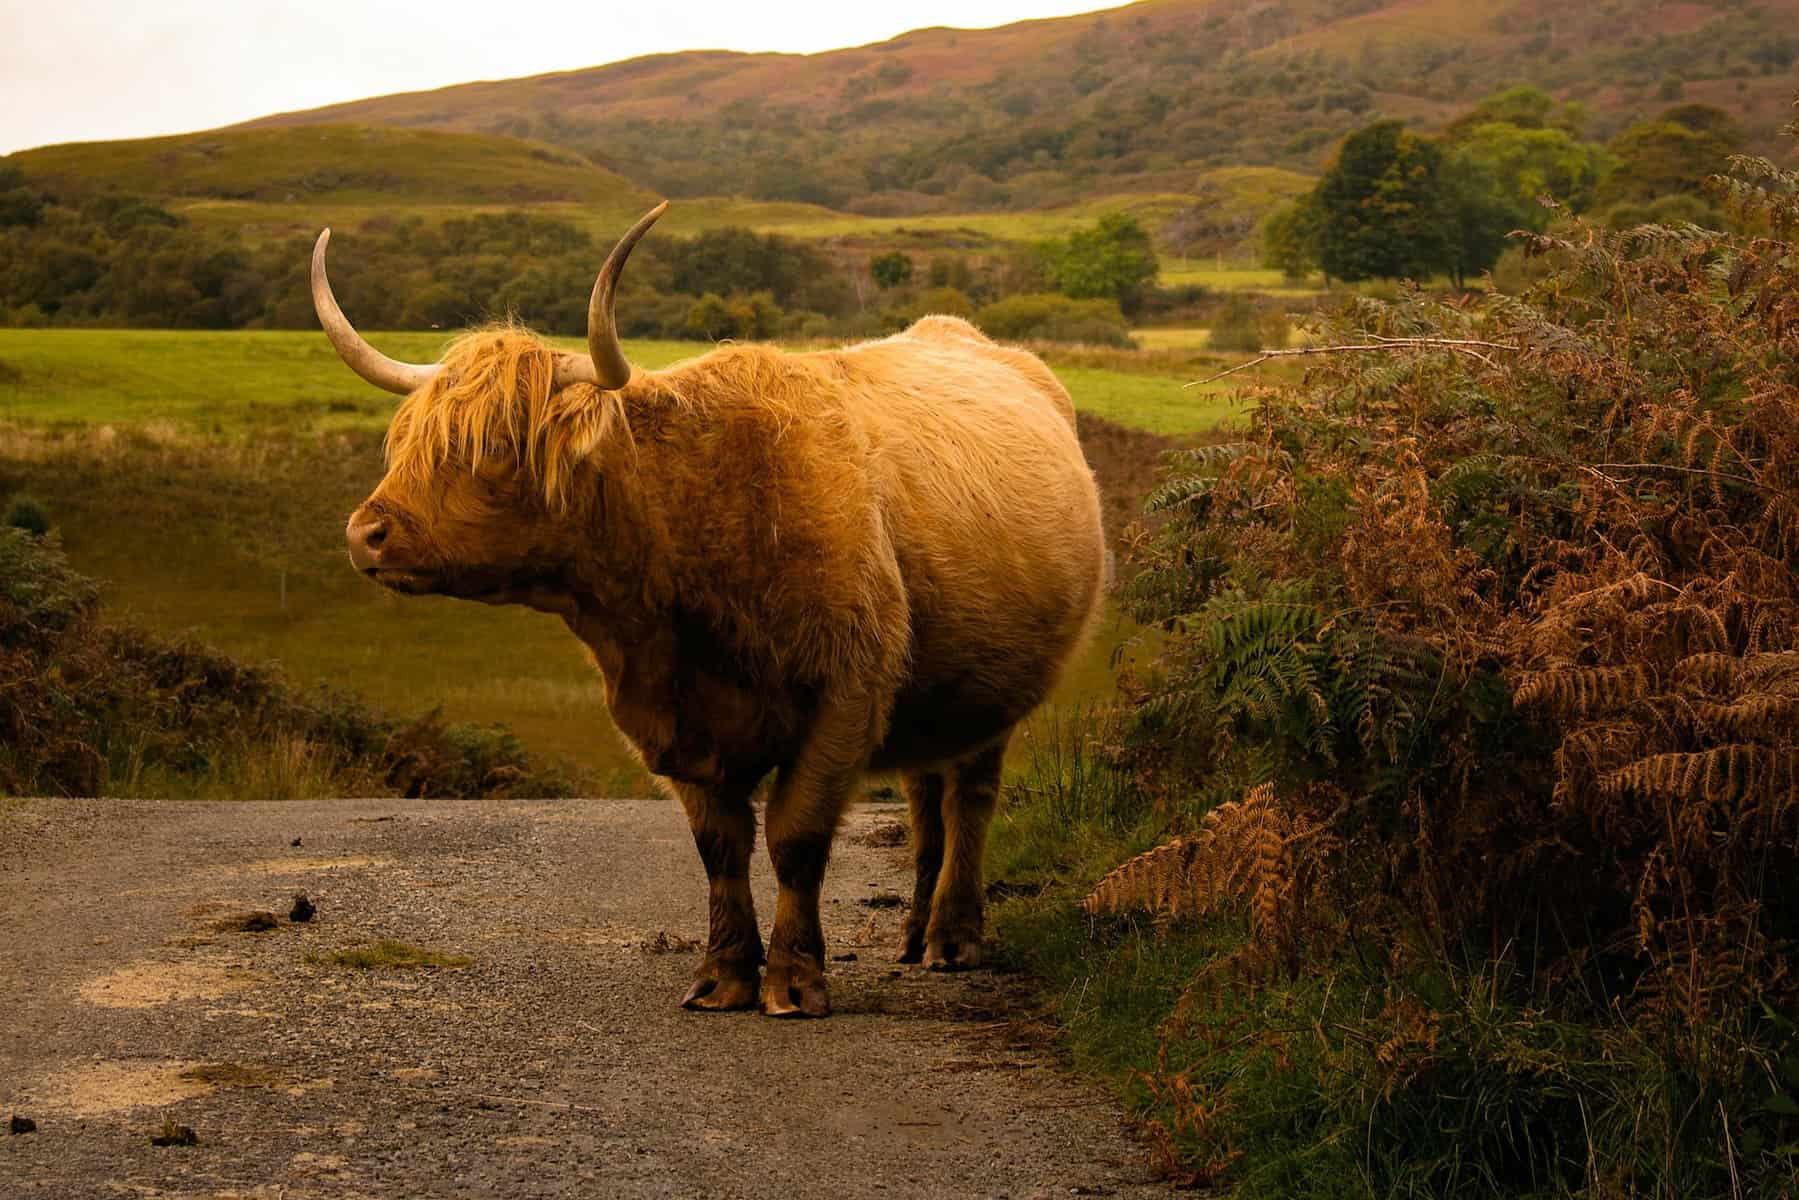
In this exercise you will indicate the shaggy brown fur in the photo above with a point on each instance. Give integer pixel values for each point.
(809, 564)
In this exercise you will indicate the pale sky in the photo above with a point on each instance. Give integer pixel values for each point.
(87, 70)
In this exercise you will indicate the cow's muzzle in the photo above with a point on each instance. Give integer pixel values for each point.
(367, 536)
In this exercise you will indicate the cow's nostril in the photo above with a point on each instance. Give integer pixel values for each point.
(366, 539)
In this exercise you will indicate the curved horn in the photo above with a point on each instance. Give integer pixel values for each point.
(358, 355)
(606, 367)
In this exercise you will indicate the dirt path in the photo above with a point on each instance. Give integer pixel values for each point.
(555, 1064)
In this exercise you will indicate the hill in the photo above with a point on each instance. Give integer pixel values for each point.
(1134, 99)
(332, 164)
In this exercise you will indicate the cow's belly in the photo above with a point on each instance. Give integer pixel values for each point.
(937, 724)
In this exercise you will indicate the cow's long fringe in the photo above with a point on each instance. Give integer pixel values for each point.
(496, 398)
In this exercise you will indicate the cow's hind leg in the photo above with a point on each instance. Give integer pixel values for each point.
(924, 797)
(724, 831)
(953, 934)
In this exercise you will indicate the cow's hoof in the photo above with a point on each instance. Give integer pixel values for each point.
(795, 990)
(953, 953)
(720, 987)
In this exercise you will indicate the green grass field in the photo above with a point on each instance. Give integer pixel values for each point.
(205, 477)
(236, 385)
(1232, 278)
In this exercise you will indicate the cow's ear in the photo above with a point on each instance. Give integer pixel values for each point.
(586, 423)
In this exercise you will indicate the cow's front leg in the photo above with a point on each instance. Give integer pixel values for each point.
(808, 800)
(724, 831)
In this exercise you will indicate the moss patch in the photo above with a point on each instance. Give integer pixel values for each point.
(386, 954)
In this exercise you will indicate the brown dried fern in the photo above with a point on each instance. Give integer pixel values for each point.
(1254, 854)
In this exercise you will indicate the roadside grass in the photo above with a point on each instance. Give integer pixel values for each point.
(284, 767)
(1270, 1087)
(387, 954)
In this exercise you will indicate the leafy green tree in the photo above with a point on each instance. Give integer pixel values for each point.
(1707, 118)
(1113, 260)
(1479, 212)
(741, 315)
(1661, 158)
(19, 204)
(734, 259)
(1053, 317)
(1523, 164)
(754, 315)
(1292, 237)
(1524, 107)
(892, 269)
(710, 319)
(1383, 205)
(1493, 177)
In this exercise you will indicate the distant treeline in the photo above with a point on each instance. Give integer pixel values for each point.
(1394, 203)
(124, 260)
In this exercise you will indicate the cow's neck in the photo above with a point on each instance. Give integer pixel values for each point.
(622, 592)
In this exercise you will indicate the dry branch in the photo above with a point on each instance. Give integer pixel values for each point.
(1459, 345)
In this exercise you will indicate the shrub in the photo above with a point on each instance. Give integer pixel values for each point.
(29, 514)
(715, 318)
(892, 269)
(1236, 327)
(1481, 696)
(1053, 318)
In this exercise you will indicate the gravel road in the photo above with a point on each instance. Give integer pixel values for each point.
(555, 1063)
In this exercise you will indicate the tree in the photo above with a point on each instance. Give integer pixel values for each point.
(1707, 118)
(892, 269)
(1382, 206)
(1113, 260)
(1661, 158)
(1524, 107)
(1480, 210)
(1524, 164)
(1291, 237)
(19, 205)
(1493, 178)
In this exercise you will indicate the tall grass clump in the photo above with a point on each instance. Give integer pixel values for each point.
(1067, 807)
(1478, 726)
(29, 514)
(88, 707)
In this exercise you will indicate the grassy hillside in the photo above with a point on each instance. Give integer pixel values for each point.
(333, 165)
(281, 182)
(1133, 99)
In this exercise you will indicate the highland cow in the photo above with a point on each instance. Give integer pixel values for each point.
(814, 566)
